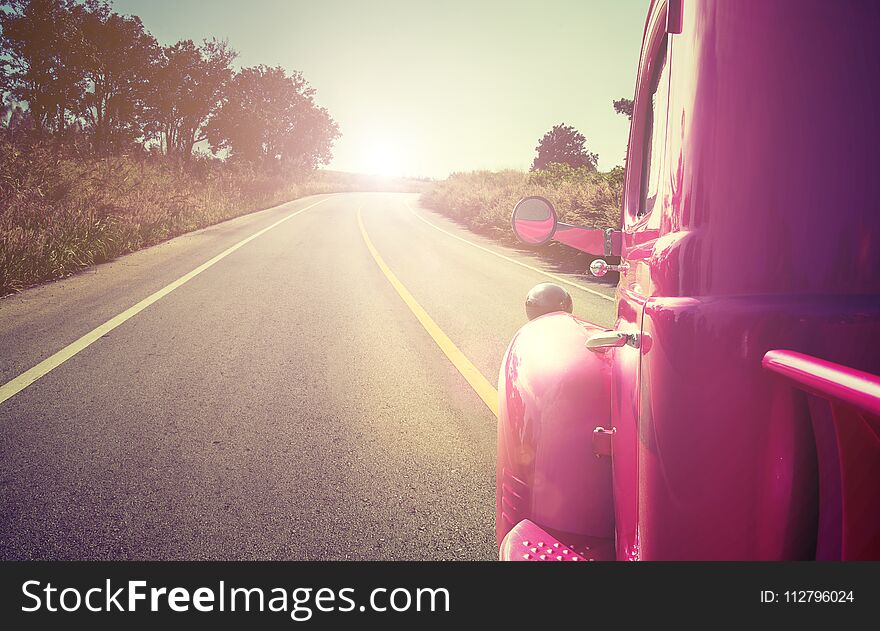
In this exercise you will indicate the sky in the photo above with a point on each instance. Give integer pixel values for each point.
(424, 88)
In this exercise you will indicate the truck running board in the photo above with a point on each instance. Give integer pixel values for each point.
(529, 542)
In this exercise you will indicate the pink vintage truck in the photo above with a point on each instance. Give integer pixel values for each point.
(734, 410)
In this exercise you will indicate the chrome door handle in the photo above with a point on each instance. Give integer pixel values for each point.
(612, 339)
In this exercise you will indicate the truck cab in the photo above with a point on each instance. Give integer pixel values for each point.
(733, 412)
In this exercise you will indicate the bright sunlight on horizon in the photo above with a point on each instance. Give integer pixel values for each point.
(425, 88)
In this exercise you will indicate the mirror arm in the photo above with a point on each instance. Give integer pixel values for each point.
(592, 241)
(613, 242)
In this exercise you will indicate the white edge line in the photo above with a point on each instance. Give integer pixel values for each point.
(510, 260)
(16, 385)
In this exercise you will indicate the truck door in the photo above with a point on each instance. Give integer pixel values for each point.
(643, 195)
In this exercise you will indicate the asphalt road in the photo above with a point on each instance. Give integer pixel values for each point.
(284, 403)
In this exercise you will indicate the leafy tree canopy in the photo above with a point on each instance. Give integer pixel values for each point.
(564, 145)
(82, 75)
(269, 117)
(624, 107)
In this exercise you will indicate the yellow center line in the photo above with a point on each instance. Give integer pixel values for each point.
(558, 279)
(474, 377)
(16, 385)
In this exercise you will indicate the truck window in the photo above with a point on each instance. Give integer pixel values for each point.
(654, 134)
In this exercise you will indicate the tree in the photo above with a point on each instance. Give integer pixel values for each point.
(38, 57)
(269, 117)
(118, 58)
(186, 90)
(624, 106)
(309, 142)
(565, 145)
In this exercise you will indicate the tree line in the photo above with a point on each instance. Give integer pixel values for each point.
(82, 77)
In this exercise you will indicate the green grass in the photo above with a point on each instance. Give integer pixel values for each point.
(60, 215)
(484, 200)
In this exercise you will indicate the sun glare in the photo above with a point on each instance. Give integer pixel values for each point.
(383, 159)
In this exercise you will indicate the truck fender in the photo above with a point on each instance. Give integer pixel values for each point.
(553, 393)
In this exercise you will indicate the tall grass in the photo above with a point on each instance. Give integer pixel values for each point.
(59, 215)
(484, 200)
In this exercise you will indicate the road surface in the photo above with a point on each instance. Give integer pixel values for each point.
(285, 401)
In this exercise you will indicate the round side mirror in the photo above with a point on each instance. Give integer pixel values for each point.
(534, 220)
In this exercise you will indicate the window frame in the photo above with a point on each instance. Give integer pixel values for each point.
(657, 49)
(648, 160)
